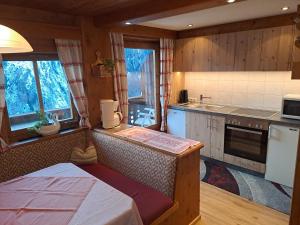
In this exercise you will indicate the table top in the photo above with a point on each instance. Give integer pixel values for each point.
(103, 205)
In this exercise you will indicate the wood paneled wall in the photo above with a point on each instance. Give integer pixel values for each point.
(296, 56)
(295, 218)
(269, 49)
(97, 88)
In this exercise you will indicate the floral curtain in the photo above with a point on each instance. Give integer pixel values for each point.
(147, 72)
(120, 76)
(166, 69)
(70, 55)
(2, 102)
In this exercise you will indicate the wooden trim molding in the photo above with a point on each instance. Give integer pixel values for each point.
(254, 24)
(295, 218)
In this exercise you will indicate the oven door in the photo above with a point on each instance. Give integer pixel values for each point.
(246, 143)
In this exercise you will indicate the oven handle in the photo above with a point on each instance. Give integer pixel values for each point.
(245, 130)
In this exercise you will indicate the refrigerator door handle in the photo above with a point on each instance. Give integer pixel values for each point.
(270, 131)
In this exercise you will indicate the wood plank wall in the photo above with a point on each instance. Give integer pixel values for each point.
(295, 218)
(41, 28)
(269, 49)
(97, 88)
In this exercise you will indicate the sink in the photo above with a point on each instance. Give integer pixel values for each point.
(209, 107)
(213, 107)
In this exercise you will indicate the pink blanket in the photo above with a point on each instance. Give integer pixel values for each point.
(42, 200)
(157, 139)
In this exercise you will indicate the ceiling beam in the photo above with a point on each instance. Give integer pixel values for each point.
(254, 24)
(143, 31)
(151, 10)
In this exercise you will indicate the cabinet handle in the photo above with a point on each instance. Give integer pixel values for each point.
(208, 121)
(214, 124)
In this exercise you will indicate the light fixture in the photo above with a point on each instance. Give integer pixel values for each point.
(285, 8)
(231, 1)
(12, 42)
(190, 25)
(128, 23)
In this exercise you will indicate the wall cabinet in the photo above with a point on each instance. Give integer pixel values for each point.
(209, 130)
(268, 49)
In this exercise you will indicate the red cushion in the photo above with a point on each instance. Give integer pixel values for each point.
(151, 203)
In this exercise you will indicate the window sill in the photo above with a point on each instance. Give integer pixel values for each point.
(41, 138)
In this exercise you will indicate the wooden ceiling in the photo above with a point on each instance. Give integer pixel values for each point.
(75, 7)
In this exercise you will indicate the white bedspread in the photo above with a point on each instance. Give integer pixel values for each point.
(104, 205)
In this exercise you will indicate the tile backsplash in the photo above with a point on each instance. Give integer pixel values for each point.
(260, 90)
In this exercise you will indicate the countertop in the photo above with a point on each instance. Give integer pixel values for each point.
(228, 111)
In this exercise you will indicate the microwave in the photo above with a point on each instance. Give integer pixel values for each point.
(291, 107)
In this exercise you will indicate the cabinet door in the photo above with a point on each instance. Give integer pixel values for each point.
(217, 137)
(176, 123)
(178, 61)
(198, 129)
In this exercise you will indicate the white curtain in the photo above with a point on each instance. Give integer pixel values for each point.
(148, 80)
(70, 55)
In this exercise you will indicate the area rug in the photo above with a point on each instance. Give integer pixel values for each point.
(246, 185)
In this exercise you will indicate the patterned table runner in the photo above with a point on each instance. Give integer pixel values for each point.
(157, 139)
(42, 200)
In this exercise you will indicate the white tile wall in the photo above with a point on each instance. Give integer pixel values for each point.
(262, 90)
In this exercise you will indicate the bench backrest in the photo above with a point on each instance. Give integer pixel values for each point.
(141, 163)
(39, 154)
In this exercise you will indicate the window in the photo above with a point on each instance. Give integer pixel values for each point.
(35, 86)
(141, 77)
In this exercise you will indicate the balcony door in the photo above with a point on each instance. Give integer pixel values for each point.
(142, 64)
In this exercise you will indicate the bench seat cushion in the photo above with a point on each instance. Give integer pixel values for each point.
(151, 203)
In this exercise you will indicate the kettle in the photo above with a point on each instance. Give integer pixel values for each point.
(109, 117)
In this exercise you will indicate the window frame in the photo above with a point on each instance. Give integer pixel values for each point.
(23, 134)
(148, 43)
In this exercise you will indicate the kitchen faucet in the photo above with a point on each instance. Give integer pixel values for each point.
(203, 97)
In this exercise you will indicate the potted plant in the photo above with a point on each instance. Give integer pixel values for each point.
(46, 126)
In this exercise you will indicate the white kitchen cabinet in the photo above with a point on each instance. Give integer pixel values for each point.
(282, 154)
(217, 137)
(198, 128)
(176, 122)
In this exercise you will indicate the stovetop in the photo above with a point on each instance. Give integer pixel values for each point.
(254, 112)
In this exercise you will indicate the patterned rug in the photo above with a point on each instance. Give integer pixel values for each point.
(254, 188)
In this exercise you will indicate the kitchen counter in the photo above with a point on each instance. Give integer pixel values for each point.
(229, 110)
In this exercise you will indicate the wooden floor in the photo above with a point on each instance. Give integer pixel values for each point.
(219, 207)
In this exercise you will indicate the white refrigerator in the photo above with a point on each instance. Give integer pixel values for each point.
(282, 154)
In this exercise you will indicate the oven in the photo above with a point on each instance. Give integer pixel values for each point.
(246, 139)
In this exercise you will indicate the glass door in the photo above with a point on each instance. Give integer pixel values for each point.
(142, 91)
